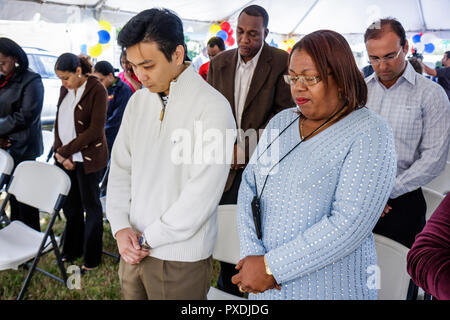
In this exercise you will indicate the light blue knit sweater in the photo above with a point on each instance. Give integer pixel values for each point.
(319, 208)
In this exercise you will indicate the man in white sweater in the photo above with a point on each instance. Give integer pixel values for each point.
(169, 165)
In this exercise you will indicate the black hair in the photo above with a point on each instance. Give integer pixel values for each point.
(377, 28)
(11, 49)
(447, 53)
(161, 26)
(70, 62)
(104, 67)
(216, 41)
(257, 11)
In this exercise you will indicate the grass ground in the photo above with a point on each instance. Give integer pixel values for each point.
(100, 284)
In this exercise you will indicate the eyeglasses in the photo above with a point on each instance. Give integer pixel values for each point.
(388, 58)
(304, 80)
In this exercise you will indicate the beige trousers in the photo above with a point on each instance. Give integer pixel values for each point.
(155, 279)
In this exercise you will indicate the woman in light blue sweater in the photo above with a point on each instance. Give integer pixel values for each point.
(317, 184)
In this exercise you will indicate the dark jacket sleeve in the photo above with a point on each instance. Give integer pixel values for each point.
(30, 108)
(114, 118)
(96, 128)
(428, 260)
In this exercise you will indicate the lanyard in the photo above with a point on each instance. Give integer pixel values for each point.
(292, 149)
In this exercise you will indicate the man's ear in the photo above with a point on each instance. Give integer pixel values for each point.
(179, 54)
(266, 33)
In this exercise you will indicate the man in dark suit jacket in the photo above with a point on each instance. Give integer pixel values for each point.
(251, 78)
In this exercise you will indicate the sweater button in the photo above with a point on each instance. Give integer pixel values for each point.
(81, 122)
(88, 159)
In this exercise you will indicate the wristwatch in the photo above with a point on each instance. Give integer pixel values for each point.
(143, 242)
(268, 272)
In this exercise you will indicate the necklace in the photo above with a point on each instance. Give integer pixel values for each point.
(301, 128)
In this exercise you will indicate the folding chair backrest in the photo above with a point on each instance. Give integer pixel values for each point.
(391, 257)
(227, 243)
(39, 185)
(433, 199)
(6, 167)
(441, 183)
(47, 138)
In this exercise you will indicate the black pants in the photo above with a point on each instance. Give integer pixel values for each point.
(406, 218)
(227, 270)
(24, 213)
(83, 237)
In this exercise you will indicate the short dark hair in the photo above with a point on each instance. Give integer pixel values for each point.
(104, 67)
(329, 50)
(416, 64)
(447, 53)
(377, 28)
(70, 62)
(161, 26)
(9, 48)
(257, 11)
(216, 41)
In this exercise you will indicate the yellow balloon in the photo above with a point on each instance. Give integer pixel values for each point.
(291, 42)
(105, 25)
(214, 29)
(95, 51)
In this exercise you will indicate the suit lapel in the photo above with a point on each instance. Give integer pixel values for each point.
(228, 72)
(260, 75)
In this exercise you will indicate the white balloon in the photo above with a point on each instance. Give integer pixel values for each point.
(420, 46)
(91, 27)
(427, 38)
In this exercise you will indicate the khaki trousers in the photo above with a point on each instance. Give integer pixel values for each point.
(155, 279)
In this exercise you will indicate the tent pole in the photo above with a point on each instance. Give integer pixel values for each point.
(422, 17)
(304, 17)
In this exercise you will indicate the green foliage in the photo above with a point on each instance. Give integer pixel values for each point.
(99, 284)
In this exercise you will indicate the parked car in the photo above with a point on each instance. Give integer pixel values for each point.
(43, 62)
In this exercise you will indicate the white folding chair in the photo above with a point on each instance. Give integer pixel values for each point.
(441, 183)
(227, 246)
(47, 138)
(433, 199)
(6, 168)
(44, 187)
(391, 257)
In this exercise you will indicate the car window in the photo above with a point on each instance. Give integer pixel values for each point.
(33, 64)
(48, 65)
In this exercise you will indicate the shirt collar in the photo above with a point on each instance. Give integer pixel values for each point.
(409, 74)
(252, 62)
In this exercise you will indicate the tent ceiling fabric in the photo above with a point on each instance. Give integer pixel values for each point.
(285, 16)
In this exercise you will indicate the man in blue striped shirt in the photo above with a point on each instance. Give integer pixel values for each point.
(418, 111)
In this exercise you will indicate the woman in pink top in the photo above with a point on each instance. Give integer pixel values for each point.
(128, 76)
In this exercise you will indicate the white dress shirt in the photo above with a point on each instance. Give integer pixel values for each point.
(242, 81)
(66, 118)
(418, 111)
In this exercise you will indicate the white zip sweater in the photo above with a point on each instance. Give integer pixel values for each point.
(173, 203)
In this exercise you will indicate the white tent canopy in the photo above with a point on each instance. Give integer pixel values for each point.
(286, 17)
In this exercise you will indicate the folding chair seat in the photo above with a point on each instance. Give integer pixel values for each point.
(391, 257)
(44, 187)
(227, 246)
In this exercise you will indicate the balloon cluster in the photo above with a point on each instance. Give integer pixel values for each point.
(422, 43)
(102, 40)
(223, 31)
(287, 45)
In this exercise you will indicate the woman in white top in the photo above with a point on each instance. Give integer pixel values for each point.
(81, 150)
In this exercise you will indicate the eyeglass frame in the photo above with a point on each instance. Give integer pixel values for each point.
(385, 59)
(290, 80)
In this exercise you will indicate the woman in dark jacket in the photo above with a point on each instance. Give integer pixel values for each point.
(80, 148)
(21, 98)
